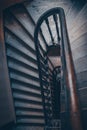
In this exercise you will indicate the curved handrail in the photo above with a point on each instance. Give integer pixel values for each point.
(67, 65)
(44, 16)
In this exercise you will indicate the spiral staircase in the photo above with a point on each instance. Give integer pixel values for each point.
(34, 64)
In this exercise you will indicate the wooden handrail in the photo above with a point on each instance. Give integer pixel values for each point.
(70, 75)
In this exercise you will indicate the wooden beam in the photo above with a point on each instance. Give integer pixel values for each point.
(69, 73)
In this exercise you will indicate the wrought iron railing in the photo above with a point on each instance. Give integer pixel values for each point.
(69, 78)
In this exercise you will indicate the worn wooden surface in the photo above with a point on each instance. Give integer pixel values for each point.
(77, 23)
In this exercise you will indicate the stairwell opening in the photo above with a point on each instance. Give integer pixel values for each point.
(35, 70)
(51, 34)
(47, 39)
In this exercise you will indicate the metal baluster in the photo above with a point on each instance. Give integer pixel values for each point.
(56, 23)
(44, 40)
(47, 87)
(47, 23)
